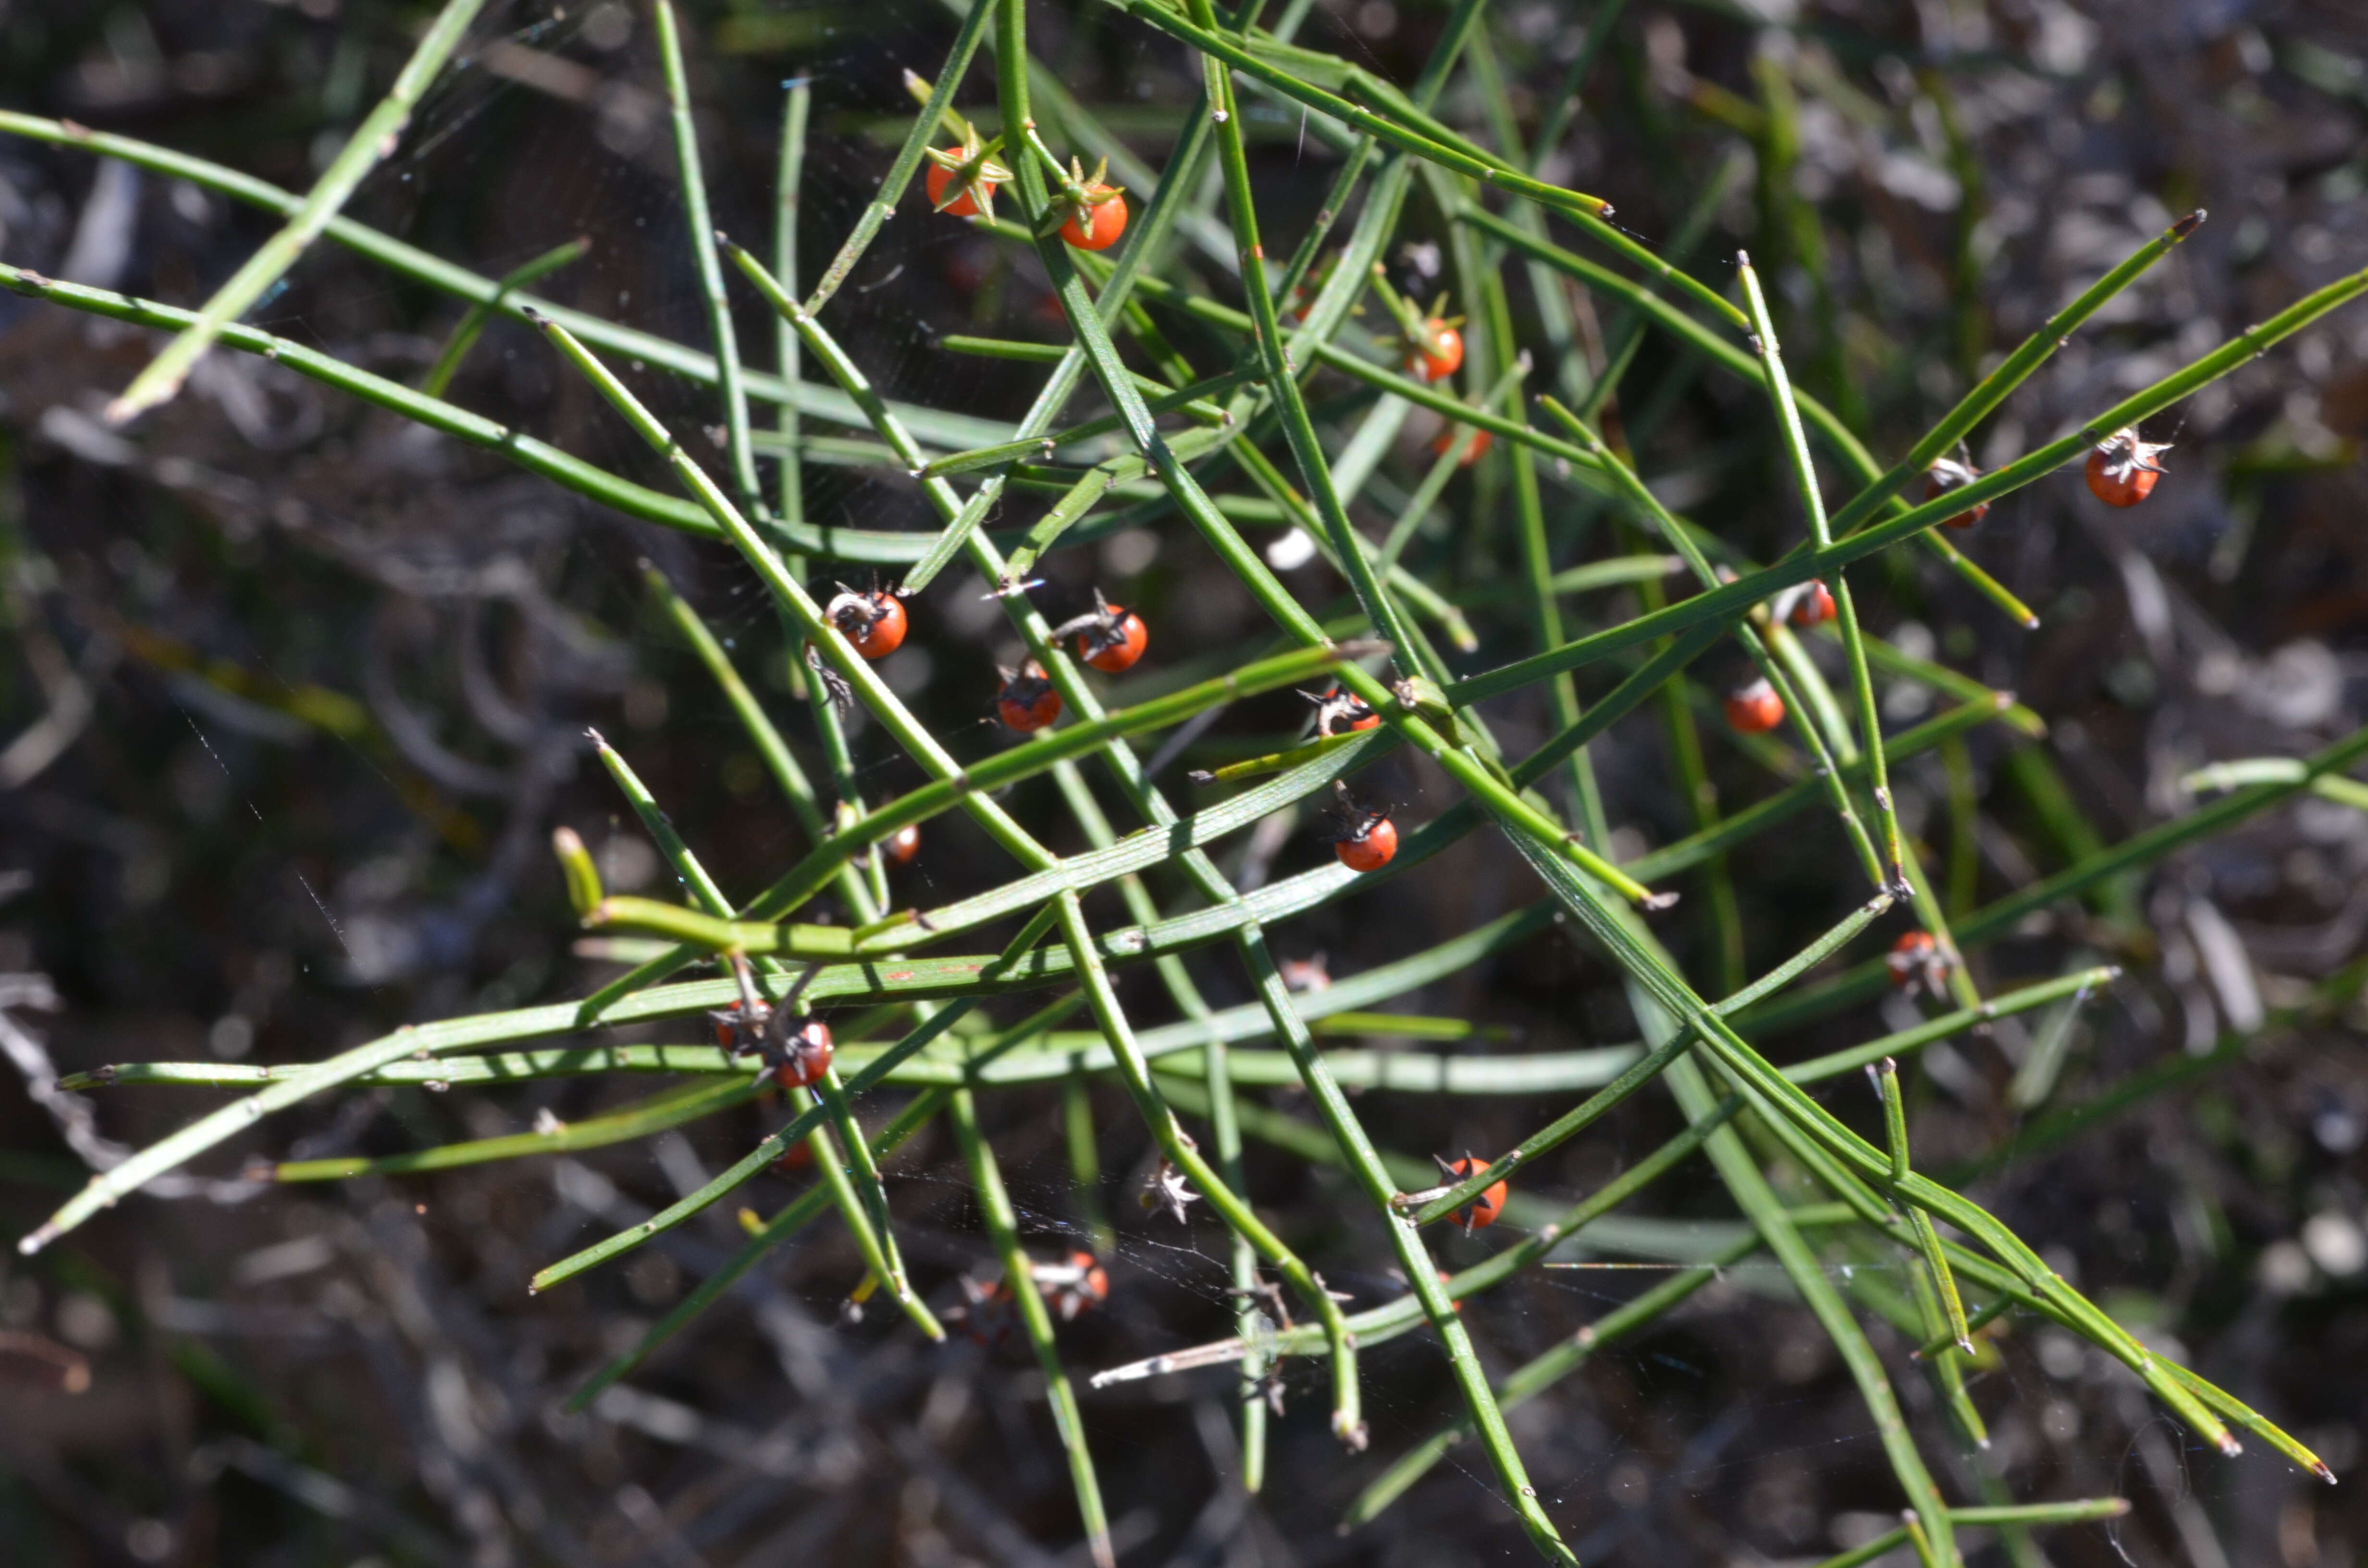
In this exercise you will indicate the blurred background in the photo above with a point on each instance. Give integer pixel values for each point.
(292, 695)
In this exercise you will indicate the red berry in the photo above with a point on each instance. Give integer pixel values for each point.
(1438, 354)
(1101, 223)
(798, 1156)
(1371, 848)
(1755, 710)
(1448, 439)
(1028, 701)
(740, 1031)
(1339, 712)
(805, 1049)
(2123, 470)
(1481, 1211)
(1814, 606)
(1949, 474)
(903, 845)
(1075, 1285)
(1916, 963)
(874, 623)
(1115, 643)
(963, 206)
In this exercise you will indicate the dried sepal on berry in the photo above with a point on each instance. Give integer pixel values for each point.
(875, 622)
(1486, 1206)
(1947, 474)
(1110, 637)
(1918, 965)
(2122, 471)
(1168, 1191)
(1027, 701)
(1362, 834)
(1074, 1284)
(1339, 711)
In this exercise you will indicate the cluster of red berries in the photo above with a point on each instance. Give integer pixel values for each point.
(962, 180)
(875, 623)
(2122, 471)
(1110, 637)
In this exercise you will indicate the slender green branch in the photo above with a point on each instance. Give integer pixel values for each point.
(1020, 1280)
(693, 185)
(373, 141)
(471, 324)
(1813, 506)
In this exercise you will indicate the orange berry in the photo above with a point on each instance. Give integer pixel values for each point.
(1102, 219)
(1481, 1211)
(1370, 849)
(1755, 710)
(2123, 470)
(1438, 355)
(964, 205)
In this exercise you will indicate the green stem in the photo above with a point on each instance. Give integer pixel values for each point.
(373, 141)
(907, 161)
(693, 185)
(471, 324)
(1019, 1278)
(1813, 505)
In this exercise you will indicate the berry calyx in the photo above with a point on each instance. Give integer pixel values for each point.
(1027, 701)
(961, 179)
(2123, 470)
(1755, 710)
(1097, 208)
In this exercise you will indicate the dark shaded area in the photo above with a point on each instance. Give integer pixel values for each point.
(294, 694)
